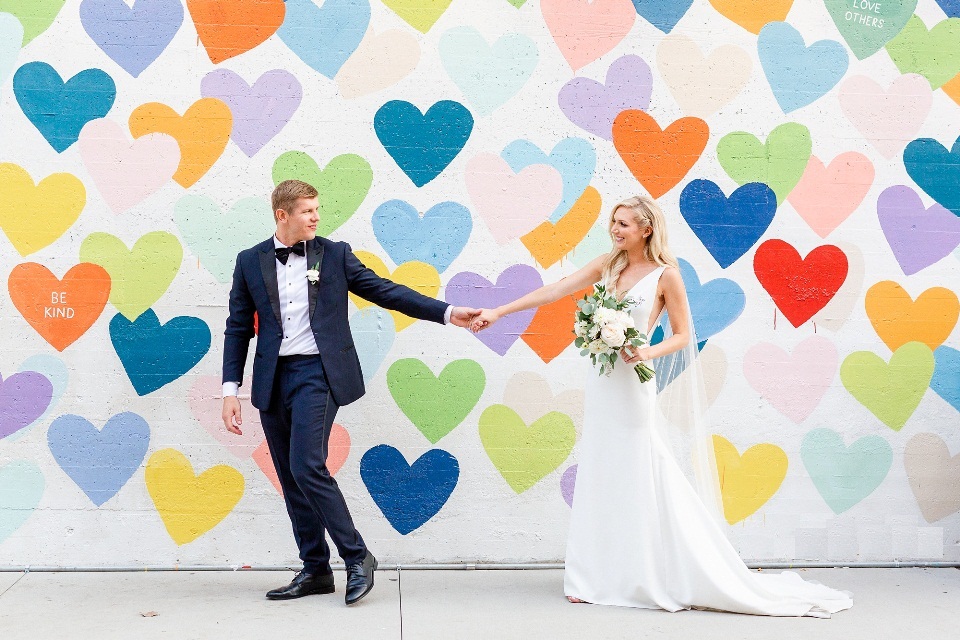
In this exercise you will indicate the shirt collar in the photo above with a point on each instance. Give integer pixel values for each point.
(279, 245)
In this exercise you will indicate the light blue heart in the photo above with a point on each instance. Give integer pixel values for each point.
(324, 37)
(436, 238)
(946, 375)
(799, 74)
(845, 475)
(11, 39)
(373, 334)
(574, 158)
(21, 487)
(54, 370)
(663, 14)
(714, 304)
(487, 75)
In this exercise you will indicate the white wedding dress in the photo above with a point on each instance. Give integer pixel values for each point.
(640, 536)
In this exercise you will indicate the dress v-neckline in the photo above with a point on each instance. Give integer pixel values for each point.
(637, 283)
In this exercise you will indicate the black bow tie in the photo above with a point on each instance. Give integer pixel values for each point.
(284, 252)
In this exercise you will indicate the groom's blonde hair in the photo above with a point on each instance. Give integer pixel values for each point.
(286, 194)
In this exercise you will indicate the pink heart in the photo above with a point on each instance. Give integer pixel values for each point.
(337, 452)
(206, 404)
(126, 172)
(891, 118)
(826, 196)
(793, 383)
(512, 204)
(584, 30)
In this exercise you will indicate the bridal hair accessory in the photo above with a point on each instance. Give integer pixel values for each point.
(603, 326)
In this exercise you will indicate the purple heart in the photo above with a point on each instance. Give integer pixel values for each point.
(23, 398)
(260, 111)
(918, 236)
(468, 289)
(134, 36)
(568, 481)
(592, 106)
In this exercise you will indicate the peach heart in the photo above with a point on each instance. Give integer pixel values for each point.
(530, 396)
(584, 30)
(827, 195)
(702, 85)
(337, 452)
(381, 60)
(887, 118)
(206, 404)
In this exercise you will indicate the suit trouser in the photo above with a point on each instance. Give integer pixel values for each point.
(297, 428)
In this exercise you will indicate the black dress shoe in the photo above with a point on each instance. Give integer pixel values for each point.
(304, 584)
(360, 578)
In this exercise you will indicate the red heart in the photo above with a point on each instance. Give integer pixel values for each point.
(800, 287)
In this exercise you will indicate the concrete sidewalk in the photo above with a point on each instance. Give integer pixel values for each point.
(527, 604)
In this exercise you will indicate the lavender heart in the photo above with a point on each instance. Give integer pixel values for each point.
(134, 36)
(918, 236)
(260, 111)
(23, 398)
(468, 289)
(592, 105)
(568, 482)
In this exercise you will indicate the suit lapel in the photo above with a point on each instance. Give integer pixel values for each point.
(314, 258)
(268, 268)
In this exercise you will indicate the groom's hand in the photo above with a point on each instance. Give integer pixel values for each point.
(231, 414)
(463, 316)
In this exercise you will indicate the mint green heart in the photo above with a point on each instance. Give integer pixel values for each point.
(436, 404)
(215, 236)
(867, 25)
(934, 54)
(21, 487)
(343, 184)
(778, 163)
(525, 455)
(595, 243)
(892, 391)
(487, 75)
(138, 276)
(845, 475)
(517, 3)
(35, 15)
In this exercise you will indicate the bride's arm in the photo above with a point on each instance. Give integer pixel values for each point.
(675, 301)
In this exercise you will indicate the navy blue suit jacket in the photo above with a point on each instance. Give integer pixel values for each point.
(255, 289)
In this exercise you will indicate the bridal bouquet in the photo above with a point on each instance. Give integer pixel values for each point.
(603, 326)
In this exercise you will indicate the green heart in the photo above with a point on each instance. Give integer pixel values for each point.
(934, 54)
(343, 184)
(35, 15)
(845, 475)
(436, 405)
(517, 3)
(778, 163)
(215, 236)
(419, 14)
(523, 455)
(138, 276)
(859, 22)
(890, 391)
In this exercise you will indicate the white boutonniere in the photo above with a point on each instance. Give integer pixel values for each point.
(313, 275)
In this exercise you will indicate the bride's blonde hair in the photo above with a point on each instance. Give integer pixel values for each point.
(646, 213)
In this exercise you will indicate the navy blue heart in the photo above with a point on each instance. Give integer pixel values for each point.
(437, 237)
(728, 227)
(935, 170)
(153, 354)
(59, 109)
(423, 144)
(409, 495)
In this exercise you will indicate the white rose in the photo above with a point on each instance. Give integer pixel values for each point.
(597, 347)
(613, 335)
(603, 315)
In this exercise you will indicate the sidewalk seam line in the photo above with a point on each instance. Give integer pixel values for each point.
(17, 581)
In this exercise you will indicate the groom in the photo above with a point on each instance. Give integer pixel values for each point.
(305, 368)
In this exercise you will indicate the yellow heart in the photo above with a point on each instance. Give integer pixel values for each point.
(549, 241)
(189, 504)
(419, 276)
(35, 216)
(899, 319)
(748, 481)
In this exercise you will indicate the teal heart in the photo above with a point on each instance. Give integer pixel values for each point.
(867, 25)
(216, 236)
(21, 487)
(845, 475)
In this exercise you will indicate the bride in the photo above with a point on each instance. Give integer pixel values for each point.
(645, 529)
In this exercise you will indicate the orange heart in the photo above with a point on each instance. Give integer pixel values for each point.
(658, 158)
(551, 330)
(228, 28)
(752, 15)
(202, 133)
(60, 310)
(549, 242)
(337, 451)
(899, 319)
(952, 88)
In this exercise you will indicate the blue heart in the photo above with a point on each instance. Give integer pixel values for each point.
(946, 375)
(154, 355)
(663, 14)
(133, 37)
(99, 461)
(728, 227)
(799, 74)
(373, 334)
(409, 495)
(59, 109)
(436, 238)
(935, 170)
(423, 145)
(950, 7)
(324, 37)
(714, 305)
(574, 158)
(666, 367)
